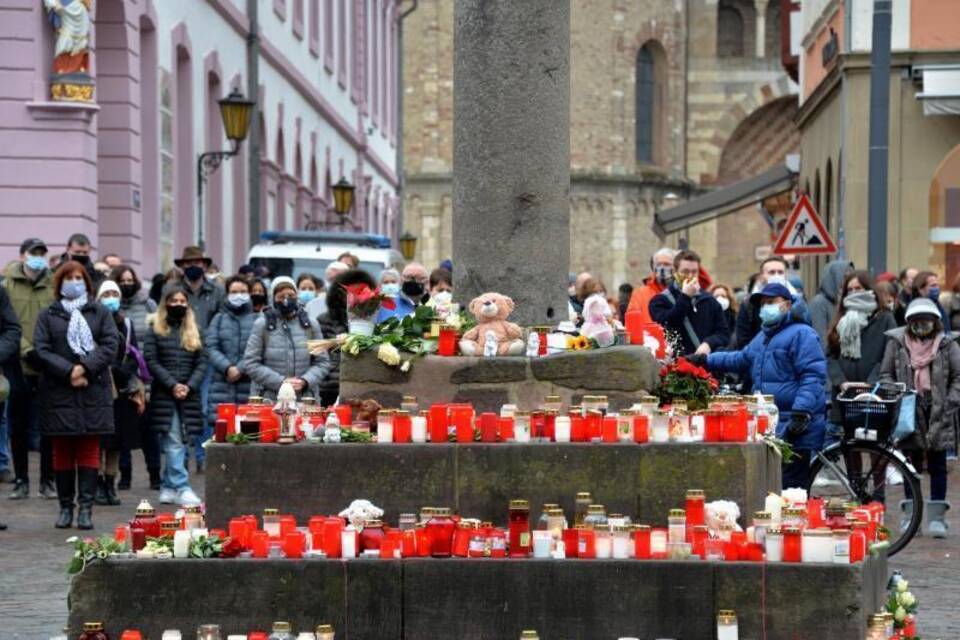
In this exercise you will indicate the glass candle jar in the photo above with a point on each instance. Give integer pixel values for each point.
(571, 543)
(608, 429)
(841, 546)
(325, 632)
(641, 541)
(271, 522)
(146, 519)
(580, 506)
(489, 423)
(410, 405)
(677, 526)
(794, 517)
(679, 425)
(792, 544)
(658, 543)
(596, 516)
(542, 544)
(713, 549)
(602, 543)
(441, 528)
(727, 628)
(385, 426)
(208, 632)
(817, 545)
(447, 341)
(181, 544)
(461, 537)
(556, 523)
(586, 542)
(332, 539)
(349, 542)
(858, 542)
(712, 425)
(697, 426)
(281, 631)
(372, 535)
(641, 428)
(593, 422)
(519, 523)
(590, 403)
(438, 423)
(418, 428)
(521, 427)
(422, 540)
(762, 521)
(699, 534)
(695, 510)
(402, 426)
(561, 429)
(660, 426)
(625, 425)
(773, 545)
(496, 542)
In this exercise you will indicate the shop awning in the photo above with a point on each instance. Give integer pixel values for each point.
(728, 199)
(941, 89)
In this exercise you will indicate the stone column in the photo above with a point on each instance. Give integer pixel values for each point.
(761, 9)
(511, 147)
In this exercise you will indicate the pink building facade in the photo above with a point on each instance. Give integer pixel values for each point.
(123, 169)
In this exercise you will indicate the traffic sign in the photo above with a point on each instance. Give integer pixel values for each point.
(804, 232)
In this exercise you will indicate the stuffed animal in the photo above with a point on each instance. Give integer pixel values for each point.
(719, 513)
(533, 345)
(491, 311)
(360, 512)
(596, 320)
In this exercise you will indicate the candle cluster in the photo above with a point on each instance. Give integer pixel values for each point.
(727, 419)
(280, 631)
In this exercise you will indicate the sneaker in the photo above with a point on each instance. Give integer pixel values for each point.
(187, 498)
(7, 476)
(168, 496)
(21, 490)
(48, 490)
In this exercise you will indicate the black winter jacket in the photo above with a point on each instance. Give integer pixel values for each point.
(10, 333)
(705, 314)
(171, 364)
(66, 410)
(330, 386)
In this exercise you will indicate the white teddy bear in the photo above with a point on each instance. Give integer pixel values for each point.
(719, 513)
(360, 512)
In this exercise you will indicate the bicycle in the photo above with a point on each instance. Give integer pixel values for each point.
(864, 465)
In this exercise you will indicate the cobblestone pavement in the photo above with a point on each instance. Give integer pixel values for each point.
(34, 583)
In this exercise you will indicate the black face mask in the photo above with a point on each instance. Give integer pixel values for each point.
(128, 290)
(176, 314)
(84, 260)
(412, 289)
(193, 273)
(258, 299)
(287, 307)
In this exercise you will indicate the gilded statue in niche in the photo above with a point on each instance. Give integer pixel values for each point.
(70, 78)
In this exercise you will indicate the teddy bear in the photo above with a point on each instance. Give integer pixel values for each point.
(719, 513)
(596, 320)
(360, 512)
(491, 311)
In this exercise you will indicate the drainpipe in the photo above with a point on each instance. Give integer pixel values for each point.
(879, 137)
(253, 136)
(401, 180)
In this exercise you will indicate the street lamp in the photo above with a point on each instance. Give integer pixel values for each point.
(235, 111)
(408, 246)
(343, 198)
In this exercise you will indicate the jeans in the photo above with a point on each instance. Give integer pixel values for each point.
(175, 475)
(936, 466)
(4, 438)
(198, 451)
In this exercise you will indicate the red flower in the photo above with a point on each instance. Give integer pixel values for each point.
(231, 548)
(388, 303)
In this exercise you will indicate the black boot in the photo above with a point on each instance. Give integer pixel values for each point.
(66, 484)
(154, 478)
(111, 491)
(88, 489)
(125, 475)
(100, 498)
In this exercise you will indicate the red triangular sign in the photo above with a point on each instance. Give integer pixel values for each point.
(804, 233)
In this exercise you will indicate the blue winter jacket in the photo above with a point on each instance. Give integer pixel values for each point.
(224, 342)
(787, 362)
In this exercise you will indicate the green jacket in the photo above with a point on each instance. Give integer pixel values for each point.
(28, 299)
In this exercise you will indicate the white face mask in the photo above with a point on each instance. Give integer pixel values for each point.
(443, 297)
(724, 302)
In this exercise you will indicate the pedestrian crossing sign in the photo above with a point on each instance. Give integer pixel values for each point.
(804, 232)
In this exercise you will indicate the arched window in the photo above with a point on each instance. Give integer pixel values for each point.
(185, 158)
(729, 30)
(647, 102)
(772, 34)
(168, 203)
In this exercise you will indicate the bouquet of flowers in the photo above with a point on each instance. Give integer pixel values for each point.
(363, 302)
(685, 381)
(903, 605)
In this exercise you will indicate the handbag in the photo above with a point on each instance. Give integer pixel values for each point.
(907, 420)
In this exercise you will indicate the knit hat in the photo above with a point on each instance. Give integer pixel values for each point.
(107, 285)
(282, 282)
(922, 307)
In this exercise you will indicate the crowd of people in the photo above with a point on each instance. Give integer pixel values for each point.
(99, 364)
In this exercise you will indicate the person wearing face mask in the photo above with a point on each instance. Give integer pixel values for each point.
(311, 293)
(413, 293)
(927, 361)
(748, 324)
(784, 360)
(857, 337)
(390, 283)
(722, 294)
(130, 401)
(277, 349)
(258, 295)
(205, 297)
(29, 284)
(824, 304)
(79, 250)
(224, 342)
(76, 342)
(926, 284)
(174, 352)
(335, 322)
(661, 267)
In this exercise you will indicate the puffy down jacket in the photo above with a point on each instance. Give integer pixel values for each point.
(171, 364)
(277, 350)
(225, 341)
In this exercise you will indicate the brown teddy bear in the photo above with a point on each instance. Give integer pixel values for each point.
(493, 335)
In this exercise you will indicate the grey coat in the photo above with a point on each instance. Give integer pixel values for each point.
(205, 302)
(225, 341)
(935, 434)
(824, 304)
(277, 349)
(136, 309)
(873, 343)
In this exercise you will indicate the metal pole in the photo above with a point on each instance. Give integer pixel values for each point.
(253, 150)
(879, 137)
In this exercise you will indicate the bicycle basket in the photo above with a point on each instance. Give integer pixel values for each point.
(874, 407)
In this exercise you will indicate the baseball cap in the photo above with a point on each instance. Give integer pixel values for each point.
(31, 244)
(922, 307)
(772, 290)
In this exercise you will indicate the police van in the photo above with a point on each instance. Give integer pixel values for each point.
(290, 253)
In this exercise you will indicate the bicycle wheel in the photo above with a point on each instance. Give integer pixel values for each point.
(866, 472)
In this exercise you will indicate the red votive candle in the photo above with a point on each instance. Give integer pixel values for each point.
(578, 429)
(549, 425)
(641, 429)
(332, 528)
(792, 544)
(488, 427)
(423, 542)
(609, 429)
(287, 524)
(402, 427)
(594, 420)
(698, 539)
(505, 426)
(571, 542)
(463, 424)
(260, 544)
(815, 518)
(712, 426)
(537, 424)
(293, 544)
(344, 414)
(220, 431)
(641, 542)
(438, 423)
(447, 342)
(408, 543)
(138, 539)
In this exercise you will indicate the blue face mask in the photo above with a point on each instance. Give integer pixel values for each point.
(113, 304)
(771, 314)
(934, 293)
(73, 289)
(36, 263)
(306, 296)
(391, 289)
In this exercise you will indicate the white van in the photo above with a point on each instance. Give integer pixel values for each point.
(290, 253)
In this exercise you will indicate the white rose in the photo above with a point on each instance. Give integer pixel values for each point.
(405, 366)
(902, 586)
(388, 354)
(907, 599)
(900, 614)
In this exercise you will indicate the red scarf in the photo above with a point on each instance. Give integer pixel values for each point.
(922, 353)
